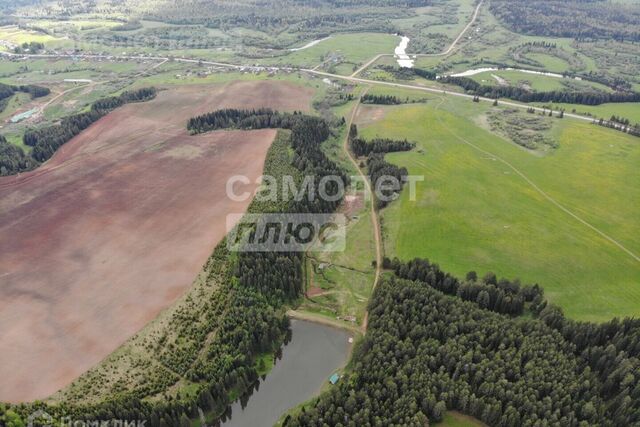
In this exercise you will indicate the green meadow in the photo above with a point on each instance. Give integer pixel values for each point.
(536, 82)
(475, 212)
(628, 110)
(349, 50)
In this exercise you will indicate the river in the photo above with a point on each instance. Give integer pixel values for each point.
(475, 71)
(311, 357)
(308, 45)
(401, 53)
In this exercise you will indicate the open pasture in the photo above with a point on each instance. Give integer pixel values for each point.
(474, 211)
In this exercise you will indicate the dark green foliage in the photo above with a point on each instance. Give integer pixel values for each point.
(522, 95)
(241, 119)
(425, 352)
(378, 168)
(7, 91)
(503, 296)
(111, 103)
(13, 159)
(580, 19)
(46, 141)
(277, 273)
(31, 48)
(379, 171)
(362, 147)
(380, 99)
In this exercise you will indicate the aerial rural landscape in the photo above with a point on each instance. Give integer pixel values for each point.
(329, 213)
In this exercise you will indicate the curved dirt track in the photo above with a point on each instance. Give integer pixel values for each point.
(96, 242)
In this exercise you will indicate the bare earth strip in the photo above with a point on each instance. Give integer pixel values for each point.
(115, 227)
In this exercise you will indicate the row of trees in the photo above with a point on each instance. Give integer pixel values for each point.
(46, 141)
(501, 296)
(362, 147)
(378, 168)
(380, 99)
(7, 91)
(579, 19)
(522, 95)
(620, 124)
(379, 172)
(13, 159)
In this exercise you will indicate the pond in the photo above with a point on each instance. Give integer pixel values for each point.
(314, 353)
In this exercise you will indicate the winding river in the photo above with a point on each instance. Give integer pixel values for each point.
(475, 71)
(400, 53)
(311, 357)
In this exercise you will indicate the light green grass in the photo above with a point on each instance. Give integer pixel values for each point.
(536, 82)
(474, 213)
(354, 48)
(629, 110)
(346, 278)
(456, 419)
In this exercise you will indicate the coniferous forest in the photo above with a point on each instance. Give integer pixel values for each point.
(426, 352)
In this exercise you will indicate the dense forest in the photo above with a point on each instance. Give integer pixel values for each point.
(580, 19)
(13, 159)
(426, 352)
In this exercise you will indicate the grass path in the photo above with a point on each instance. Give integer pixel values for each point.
(374, 213)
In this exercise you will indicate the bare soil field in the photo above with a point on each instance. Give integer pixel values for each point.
(116, 226)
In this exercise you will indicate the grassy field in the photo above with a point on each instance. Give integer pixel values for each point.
(537, 83)
(474, 212)
(340, 283)
(627, 110)
(350, 50)
(456, 419)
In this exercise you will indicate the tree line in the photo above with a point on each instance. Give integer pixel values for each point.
(7, 91)
(378, 168)
(46, 141)
(502, 296)
(380, 99)
(622, 92)
(13, 159)
(361, 147)
(522, 95)
(620, 124)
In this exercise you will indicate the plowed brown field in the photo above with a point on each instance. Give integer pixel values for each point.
(96, 242)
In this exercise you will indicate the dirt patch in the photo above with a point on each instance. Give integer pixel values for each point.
(352, 204)
(116, 226)
(370, 113)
